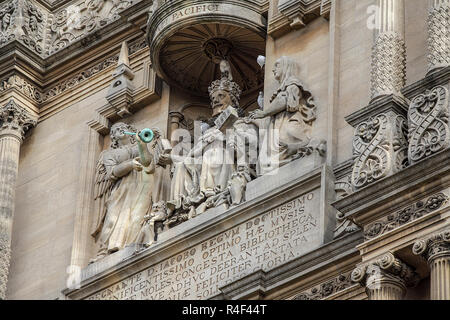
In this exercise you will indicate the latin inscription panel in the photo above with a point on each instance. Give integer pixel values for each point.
(264, 242)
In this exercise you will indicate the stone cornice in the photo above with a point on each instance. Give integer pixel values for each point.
(435, 246)
(296, 14)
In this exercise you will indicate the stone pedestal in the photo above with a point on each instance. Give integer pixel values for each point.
(14, 123)
(436, 250)
(385, 278)
(380, 142)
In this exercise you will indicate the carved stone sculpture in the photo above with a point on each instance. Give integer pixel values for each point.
(285, 125)
(428, 118)
(148, 234)
(126, 187)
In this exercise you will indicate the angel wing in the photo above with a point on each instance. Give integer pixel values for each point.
(102, 190)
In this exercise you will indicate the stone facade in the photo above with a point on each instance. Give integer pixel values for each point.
(297, 149)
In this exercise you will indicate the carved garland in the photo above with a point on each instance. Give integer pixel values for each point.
(408, 214)
(428, 123)
(326, 289)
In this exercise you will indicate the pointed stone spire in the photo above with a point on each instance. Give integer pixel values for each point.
(123, 56)
(120, 93)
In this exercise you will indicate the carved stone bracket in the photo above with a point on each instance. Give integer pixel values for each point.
(326, 289)
(386, 278)
(406, 215)
(429, 123)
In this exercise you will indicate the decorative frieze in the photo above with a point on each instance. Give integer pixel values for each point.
(428, 119)
(406, 215)
(436, 250)
(75, 22)
(23, 86)
(438, 35)
(326, 289)
(386, 278)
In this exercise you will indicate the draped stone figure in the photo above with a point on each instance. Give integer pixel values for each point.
(127, 184)
(285, 125)
(201, 179)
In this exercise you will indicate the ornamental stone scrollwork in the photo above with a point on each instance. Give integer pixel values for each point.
(326, 289)
(388, 73)
(379, 147)
(23, 86)
(386, 278)
(439, 35)
(77, 21)
(7, 17)
(428, 123)
(433, 246)
(33, 27)
(406, 215)
(16, 121)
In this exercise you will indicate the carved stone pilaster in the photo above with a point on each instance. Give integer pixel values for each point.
(385, 278)
(436, 250)
(14, 123)
(438, 35)
(429, 123)
(388, 73)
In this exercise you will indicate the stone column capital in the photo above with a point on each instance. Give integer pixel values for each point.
(15, 121)
(435, 246)
(385, 278)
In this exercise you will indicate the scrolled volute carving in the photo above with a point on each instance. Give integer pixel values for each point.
(434, 246)
(386, 268)
(429, 123)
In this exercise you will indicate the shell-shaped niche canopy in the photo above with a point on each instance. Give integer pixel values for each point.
(187, 43)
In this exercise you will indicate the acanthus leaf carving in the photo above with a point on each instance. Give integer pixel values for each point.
(326, 289)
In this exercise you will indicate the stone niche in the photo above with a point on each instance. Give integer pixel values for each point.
(188, 40)
(285, 217)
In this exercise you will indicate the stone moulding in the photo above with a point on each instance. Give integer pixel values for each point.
(296, 14)
(40, 96)
(406, 215)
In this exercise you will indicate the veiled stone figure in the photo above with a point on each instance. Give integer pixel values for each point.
(284, 125)
(125, 190)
